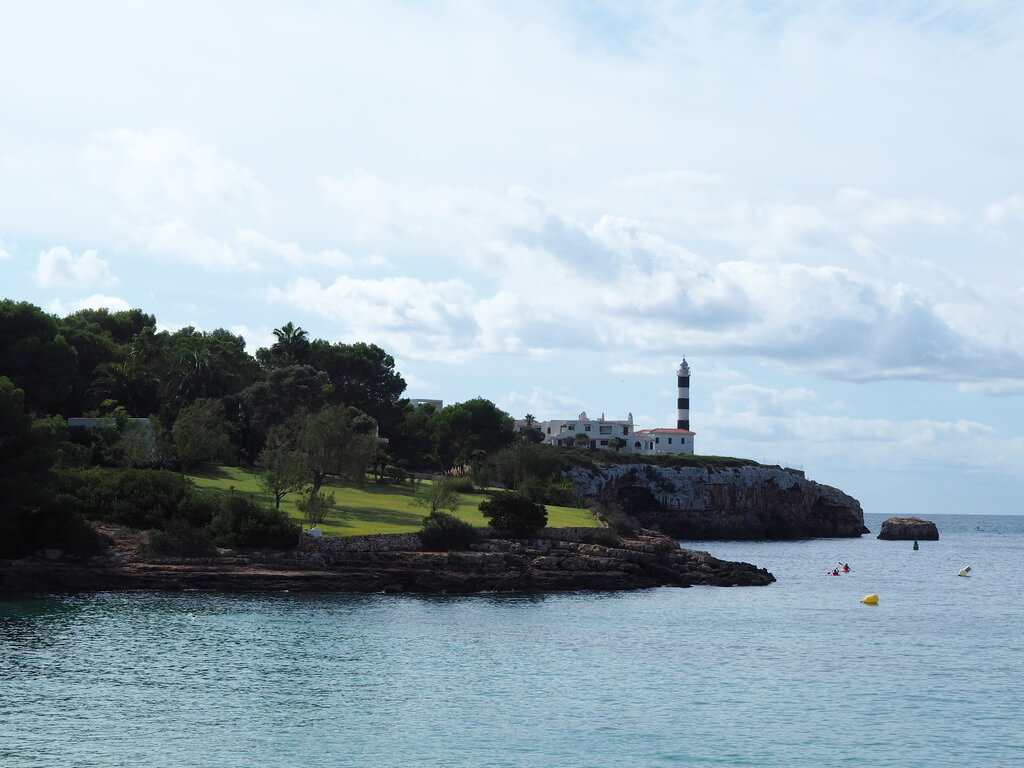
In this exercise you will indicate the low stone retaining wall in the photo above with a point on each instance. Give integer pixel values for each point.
(377, 542)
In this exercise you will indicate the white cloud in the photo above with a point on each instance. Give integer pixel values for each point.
(541, 403)
(161, 174)
(96, 301)
(177, 240)
(415, 319)
(59, 267)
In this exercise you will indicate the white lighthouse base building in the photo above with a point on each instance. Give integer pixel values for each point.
(584, 432)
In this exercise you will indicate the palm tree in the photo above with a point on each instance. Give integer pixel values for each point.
(292, 342)
(125, 383)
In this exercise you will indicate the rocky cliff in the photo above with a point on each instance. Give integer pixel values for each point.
(747, 502)
(551, 562)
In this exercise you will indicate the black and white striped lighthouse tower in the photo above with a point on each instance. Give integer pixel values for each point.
(683, 403)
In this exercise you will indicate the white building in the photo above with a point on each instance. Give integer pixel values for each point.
(605, 433)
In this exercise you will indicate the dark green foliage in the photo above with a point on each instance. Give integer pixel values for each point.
(462, 484)
(242, 522)
(464, 432)
(138, 498)
(180, 539)
(273, 400)
(29, 448)
(197, 508)
(362, 376)
(35, 356)
(443, 531)
(291, 348)
(515, 513)
(201, 433)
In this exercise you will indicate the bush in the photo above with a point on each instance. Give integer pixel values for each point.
(139, 498)
(605, 537)
(241, 522)
(513, 512)
(442, 531)
(180, 538)
(461, 484)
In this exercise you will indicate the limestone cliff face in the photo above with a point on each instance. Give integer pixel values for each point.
(729, 503)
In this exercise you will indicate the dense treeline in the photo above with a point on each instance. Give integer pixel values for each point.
(303, 410)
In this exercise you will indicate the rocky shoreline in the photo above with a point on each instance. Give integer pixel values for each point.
(551, 562)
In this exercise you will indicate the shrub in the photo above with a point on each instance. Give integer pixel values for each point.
(241, 522)
(442, 531)
(605, 537)
(198, 508)
(140, 498)
(461, 484)
(180, 538)
(513, 512)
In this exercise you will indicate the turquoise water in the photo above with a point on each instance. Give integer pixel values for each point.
(799, 673)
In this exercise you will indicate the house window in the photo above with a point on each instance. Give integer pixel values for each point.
(604, 442)
(606, 429)
(625, 430)
(670, 441)
(657, 440)
(549, 430)
(572, 427)
(586, 428)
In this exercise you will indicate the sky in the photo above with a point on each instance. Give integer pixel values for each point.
(551, 204)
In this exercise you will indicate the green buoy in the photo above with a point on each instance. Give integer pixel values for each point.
(915, 544)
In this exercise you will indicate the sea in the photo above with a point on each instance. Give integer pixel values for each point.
(798, 673)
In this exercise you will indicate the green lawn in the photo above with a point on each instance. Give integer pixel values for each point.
(370, 508)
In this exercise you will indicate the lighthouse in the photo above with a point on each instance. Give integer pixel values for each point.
(683, 395)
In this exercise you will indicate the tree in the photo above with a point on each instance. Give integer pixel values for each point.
(325, 445)
(362, 375)
(316, 508)
(465, 430)
(513, 512)
(283, 472)
(35, 356)
(28, 451)
(291, 348)
(272, 401)
(438, 496)
(201, 433)
(127, 384)
(616, 444)
(581, 440)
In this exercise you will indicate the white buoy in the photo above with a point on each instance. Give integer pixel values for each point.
(965, 571)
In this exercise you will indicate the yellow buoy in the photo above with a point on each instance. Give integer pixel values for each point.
(871, 599)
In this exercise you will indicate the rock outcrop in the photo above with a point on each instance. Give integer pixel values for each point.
(907, 528)
(746, 502)
(548, 563)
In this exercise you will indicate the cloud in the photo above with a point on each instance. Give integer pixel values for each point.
(177, 240)
(542, 403)
(95, 301)
(162, 174)
(4, 253)
(417, 319)
(59, 267)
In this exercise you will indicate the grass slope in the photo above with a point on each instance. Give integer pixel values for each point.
(369, 508)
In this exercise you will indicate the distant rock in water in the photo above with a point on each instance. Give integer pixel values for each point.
(746, 502)
(907, 528)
